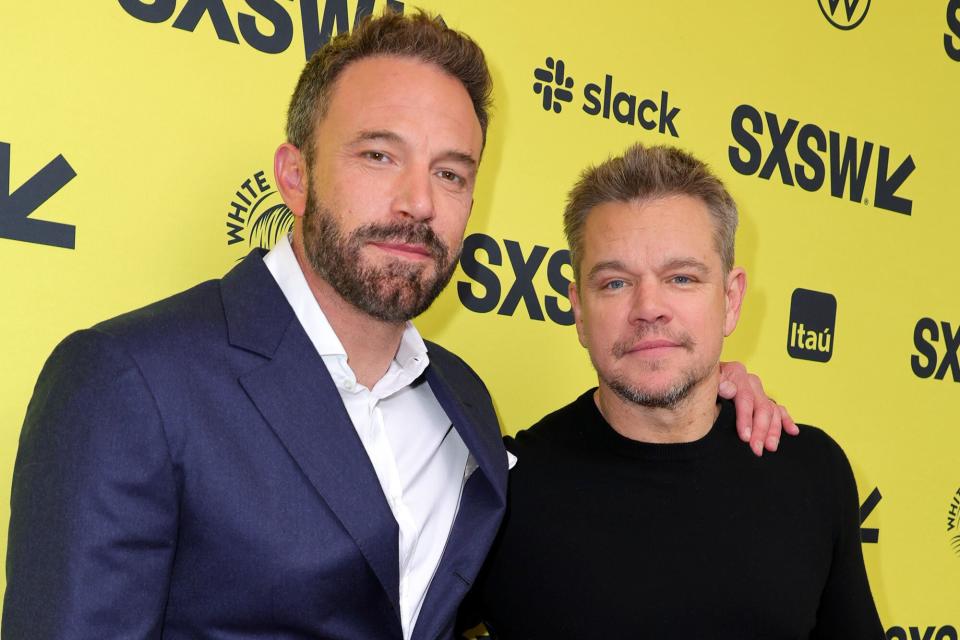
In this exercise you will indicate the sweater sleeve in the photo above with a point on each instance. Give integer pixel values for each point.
(847, 609)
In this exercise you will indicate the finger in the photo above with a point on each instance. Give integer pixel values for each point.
(728, 389)
(788, 424)
(744, 405)
(772, 440)
(762, 418)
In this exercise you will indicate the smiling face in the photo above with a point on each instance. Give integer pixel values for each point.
(653, 304)
(390, 189)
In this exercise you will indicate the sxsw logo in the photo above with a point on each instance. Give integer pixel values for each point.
(922, 632)
(951, 40)
(869, 535)
(17, 206)
(807, 156)
(483, 292)
(927, 361)
(554, 85)
(845, 14)
(277, 37)
(813, 321)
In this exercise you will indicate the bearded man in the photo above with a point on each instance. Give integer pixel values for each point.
(279, 454)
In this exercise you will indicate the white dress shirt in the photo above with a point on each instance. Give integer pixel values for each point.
(418, 456)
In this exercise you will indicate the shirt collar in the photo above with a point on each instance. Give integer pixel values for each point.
(411, 355)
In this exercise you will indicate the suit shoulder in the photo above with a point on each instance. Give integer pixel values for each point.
(194, 309)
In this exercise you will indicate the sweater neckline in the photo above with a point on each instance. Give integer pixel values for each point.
(611, 439)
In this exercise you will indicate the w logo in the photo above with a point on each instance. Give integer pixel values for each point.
(845, 14)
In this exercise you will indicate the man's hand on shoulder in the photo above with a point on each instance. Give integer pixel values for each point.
(760, 420)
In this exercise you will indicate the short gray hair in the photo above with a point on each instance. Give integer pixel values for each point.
(647, 173)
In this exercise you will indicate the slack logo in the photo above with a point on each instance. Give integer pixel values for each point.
(927, 362)
(813, 321)
(606, 99)
(554, 84)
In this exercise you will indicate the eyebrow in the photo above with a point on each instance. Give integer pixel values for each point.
(670, 265)
(386, 135)
(458, 156)
(376, 134)
(606, 265)
(686, 263)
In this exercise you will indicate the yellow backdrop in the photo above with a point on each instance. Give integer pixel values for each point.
(138, 137)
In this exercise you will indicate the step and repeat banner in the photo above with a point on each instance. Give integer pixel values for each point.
(136, 142)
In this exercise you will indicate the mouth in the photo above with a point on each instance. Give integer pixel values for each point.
(652, 348)
(409, 251)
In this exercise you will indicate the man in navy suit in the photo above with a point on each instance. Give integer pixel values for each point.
(279, 454)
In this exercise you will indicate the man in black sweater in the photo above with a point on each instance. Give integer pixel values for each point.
(634, 512)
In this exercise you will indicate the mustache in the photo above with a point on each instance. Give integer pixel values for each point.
(401, 232)
(645, 330)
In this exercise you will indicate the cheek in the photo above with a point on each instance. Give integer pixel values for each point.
(355, 190)
(451, 222)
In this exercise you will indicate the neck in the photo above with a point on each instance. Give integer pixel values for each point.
(371, 344)
(687, 422)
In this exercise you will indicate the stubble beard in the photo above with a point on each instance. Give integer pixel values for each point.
(394, 292)
(670, 397)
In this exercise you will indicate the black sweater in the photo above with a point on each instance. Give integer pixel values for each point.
(609, 538)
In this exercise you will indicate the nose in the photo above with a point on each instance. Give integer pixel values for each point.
(649, 303)
(414, 198)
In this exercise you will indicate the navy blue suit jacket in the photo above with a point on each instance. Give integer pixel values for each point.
(188, 470)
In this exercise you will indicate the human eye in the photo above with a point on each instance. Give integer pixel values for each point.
(452, 177)
(681, 279)
(375, 156)
(614, 285)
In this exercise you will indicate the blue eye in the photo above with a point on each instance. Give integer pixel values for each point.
(682, 279)
(615, 284)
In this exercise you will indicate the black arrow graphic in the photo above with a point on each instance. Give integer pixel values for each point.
(869, 535)
(16, 207)
(886, 194)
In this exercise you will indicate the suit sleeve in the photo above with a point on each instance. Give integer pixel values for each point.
(94, 502)
(847, 609)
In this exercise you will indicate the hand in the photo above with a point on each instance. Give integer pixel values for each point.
(760, 420)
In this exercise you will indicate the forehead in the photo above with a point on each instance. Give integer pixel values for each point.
(384, 92)
(649, 230)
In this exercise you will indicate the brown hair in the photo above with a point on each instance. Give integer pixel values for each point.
(646, 173)
(420, 36)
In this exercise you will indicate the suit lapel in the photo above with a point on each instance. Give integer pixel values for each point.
(482, 439)
(296, 396)
(481, 505)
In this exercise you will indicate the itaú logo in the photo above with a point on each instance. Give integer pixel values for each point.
(845, 14)
(813, 321)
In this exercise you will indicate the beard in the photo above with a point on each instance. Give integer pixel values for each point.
(673, 394)
(395, 292)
